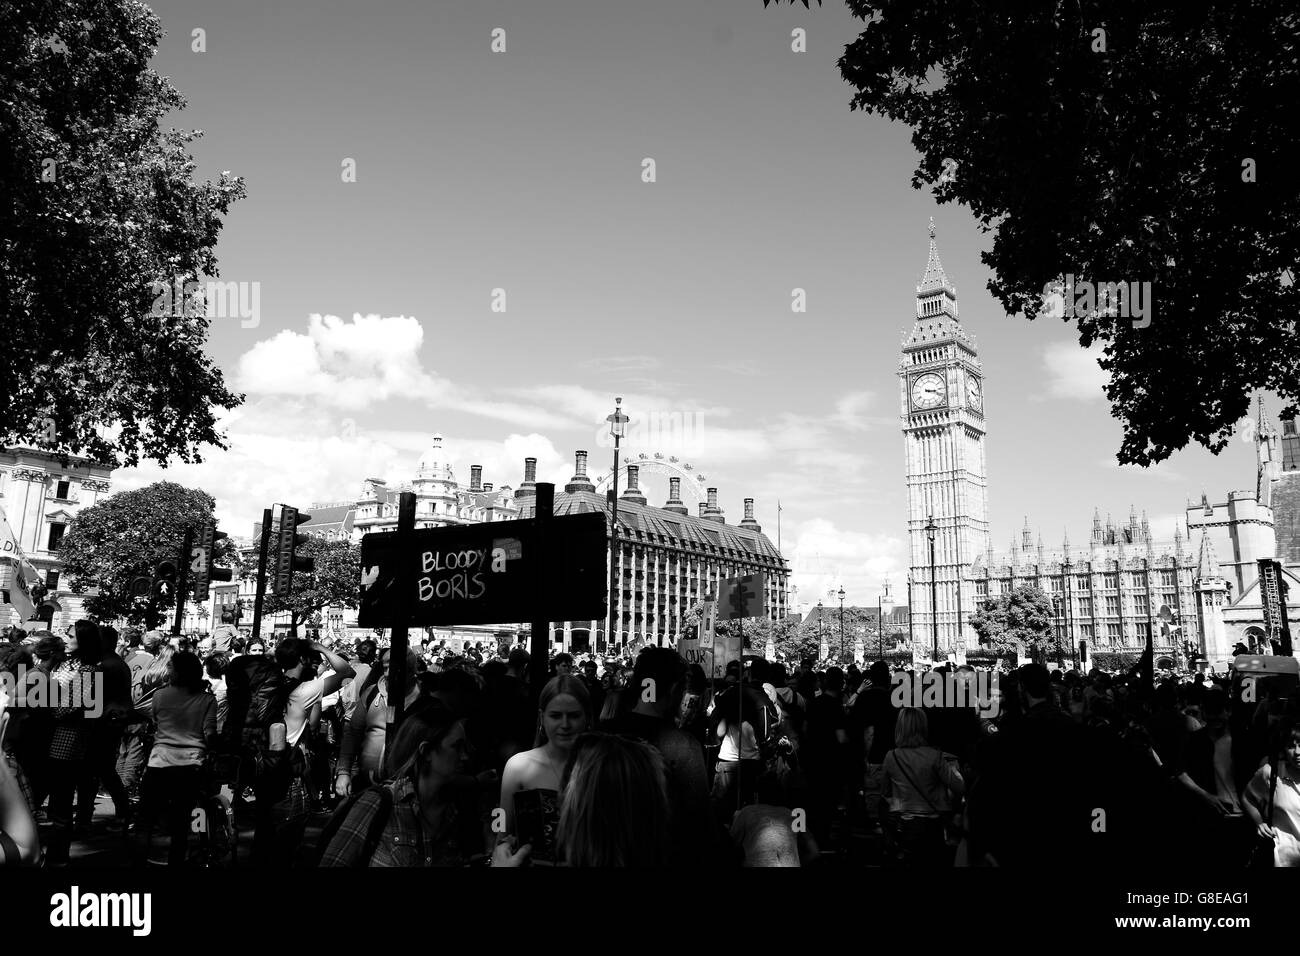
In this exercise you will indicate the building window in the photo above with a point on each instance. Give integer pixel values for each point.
(1081, 582)
(56, 536)
(1110, 580)
(1085, 606)
(1167, 578)
(981, 588)
(1113, 633)
(52, 580)
(61, 490)
(1112, 606)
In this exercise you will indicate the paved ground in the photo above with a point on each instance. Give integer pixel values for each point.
(105, 846)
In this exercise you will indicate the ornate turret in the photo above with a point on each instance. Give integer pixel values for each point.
(633, 493)
(580, 481)
(674, 502)
(713, 512)
(529, 487)
(1026, 537)
(1097, 539)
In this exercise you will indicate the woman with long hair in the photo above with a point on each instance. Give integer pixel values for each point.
(72, 688)
(614, 811)
(362, 751)
(425, 816)
(1272, 798)
(185, 715)
(564, 714)
(919, 784)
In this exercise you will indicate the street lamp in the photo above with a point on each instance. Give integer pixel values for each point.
(930, 530)
(821, 626)
(841, 625)
(882, 602)
(617, 428)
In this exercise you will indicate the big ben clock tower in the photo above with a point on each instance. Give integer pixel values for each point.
(942, 387)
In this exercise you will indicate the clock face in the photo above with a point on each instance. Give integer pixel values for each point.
(928, 391)
(974, 394)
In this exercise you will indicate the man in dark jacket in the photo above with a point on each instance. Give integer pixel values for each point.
(654, 693)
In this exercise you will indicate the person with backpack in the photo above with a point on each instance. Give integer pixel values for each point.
(425, 817)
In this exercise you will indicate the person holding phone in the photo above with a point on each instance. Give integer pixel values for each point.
(563, 716)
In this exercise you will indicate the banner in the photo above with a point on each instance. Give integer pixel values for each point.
(17, 575)
(490, 573)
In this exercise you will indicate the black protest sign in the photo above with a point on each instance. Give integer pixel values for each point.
(491, 573)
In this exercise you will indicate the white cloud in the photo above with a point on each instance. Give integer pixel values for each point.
(826, 557)
(1073, 372)
(347, 364)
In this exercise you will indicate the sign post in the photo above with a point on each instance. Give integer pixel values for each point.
(537, 570)
(397, 678)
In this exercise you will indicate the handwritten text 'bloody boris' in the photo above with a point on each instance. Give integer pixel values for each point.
(459, 574)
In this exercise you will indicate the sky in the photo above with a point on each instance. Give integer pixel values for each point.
(522, 171)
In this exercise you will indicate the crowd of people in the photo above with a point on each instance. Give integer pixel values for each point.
(644, 762)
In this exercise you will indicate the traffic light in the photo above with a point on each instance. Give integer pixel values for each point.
(202, 566)
(286, 540)
(164, 582)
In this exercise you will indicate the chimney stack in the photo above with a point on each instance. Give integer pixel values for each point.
(488, 486)
(529, 488)
(748, 521)
(475, 477)
(713, 512)
(632, 493)
(580, 480)
(674, 502)
(702, 507)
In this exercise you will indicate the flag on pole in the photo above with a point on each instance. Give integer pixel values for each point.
(17, 574)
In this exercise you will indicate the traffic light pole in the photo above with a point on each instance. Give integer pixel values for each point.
(261, 573)
(182, 580)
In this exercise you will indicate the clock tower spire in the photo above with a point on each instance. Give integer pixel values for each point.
(942, 408)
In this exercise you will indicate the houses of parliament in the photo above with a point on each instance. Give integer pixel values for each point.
(1197, 593)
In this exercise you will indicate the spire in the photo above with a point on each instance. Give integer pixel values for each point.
(1146, 528)
(935, 279)
(1208, 565)
(1026, 537)
(1096, 527)
(1065, 542)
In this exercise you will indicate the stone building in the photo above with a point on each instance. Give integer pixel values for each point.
(668, 559)
(41, 496)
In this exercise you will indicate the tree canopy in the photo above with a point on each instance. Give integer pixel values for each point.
(1118, 142)
(1018, 621)
(126, 536)
(99, 204)
(335, 582)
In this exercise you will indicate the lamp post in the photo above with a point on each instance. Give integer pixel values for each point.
(821, 626)
(882, 602)
(617, 428)
(930, 530)
(841, 625)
